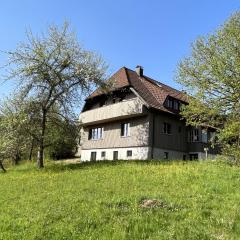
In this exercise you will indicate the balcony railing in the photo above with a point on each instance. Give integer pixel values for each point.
(118, 110)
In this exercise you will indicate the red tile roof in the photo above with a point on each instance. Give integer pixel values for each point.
(153, 92)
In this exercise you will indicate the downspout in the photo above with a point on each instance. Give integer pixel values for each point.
(153, 135)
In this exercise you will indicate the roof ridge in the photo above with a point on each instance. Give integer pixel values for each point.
(156, 82)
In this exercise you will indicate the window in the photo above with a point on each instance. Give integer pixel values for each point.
(170, 102)
(165, 155)
(193, 156)
(204, 136)
(194, 135)
(173, 103)
(129, 153)
(125, 129)
(95, 133)
(176, 105)
(103, 154)
(166, 128)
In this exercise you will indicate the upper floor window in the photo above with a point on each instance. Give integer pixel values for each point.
(194, 135)
(166, 128)
(176, 105)
(125, 129)
(95, 133)
(204, 136)
(173, 103)
(170, 102)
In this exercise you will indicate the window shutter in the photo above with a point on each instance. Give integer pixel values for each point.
(90, 134)
(122, 129)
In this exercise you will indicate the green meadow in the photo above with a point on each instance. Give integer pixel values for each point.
(109, 200)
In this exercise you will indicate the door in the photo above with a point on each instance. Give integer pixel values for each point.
(115, 155)
(93, 156)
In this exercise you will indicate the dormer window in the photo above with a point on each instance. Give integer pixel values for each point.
(176, 105)
(170, 103)
(173, 103)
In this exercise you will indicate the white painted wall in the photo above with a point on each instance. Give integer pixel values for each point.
(139, 153)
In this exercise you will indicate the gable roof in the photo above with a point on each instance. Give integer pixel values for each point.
(153, 92)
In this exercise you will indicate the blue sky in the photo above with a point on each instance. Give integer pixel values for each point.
(154, 34)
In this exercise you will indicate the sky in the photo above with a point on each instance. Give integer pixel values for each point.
(156, 34)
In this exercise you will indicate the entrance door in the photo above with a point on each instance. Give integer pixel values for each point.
(93, 156)
(115, 155)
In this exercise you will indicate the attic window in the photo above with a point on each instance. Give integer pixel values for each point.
(173, 103)
(176, 105)
(170, 103)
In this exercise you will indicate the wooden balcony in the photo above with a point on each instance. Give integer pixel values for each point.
(116, 111)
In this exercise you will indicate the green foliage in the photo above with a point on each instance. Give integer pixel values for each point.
(211, 76)
(103, 201)
(53, 70)
(13, 138)
(62, 138)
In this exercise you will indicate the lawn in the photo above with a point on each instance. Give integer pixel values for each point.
(194, 200)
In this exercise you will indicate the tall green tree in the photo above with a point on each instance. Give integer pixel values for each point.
(53, 69)
(211, 77)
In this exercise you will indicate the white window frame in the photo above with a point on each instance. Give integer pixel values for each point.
(97, 133)
(126, 130)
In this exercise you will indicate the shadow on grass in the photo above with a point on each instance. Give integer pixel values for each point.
(106, 163)
(51, 166)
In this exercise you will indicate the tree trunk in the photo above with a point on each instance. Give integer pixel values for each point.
(16, 158)
(2, 167)
(31, 150)
(40, 163)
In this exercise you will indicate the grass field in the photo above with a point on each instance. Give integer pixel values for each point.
(195, 200)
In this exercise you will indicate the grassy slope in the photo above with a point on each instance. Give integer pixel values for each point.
(101, 201)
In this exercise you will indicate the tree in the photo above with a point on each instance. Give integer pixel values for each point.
(13, 138)
(54, 70)
(63, 134)
(211, 77)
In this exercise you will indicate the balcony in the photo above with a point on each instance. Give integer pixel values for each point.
(116, 111)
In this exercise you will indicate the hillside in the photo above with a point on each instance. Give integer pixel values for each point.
(191, 200)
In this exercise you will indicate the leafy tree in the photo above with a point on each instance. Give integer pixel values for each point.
(13, 138)
(63, 134)
(211, 76)
(54, 70)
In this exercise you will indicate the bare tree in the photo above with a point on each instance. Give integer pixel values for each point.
(53, 69)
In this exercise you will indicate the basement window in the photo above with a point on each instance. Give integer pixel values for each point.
(103, 154)
(129, 153)
(165, 155)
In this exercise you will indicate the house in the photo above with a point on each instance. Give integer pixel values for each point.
(138, 118)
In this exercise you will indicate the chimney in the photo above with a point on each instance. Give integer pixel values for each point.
(139, 70)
